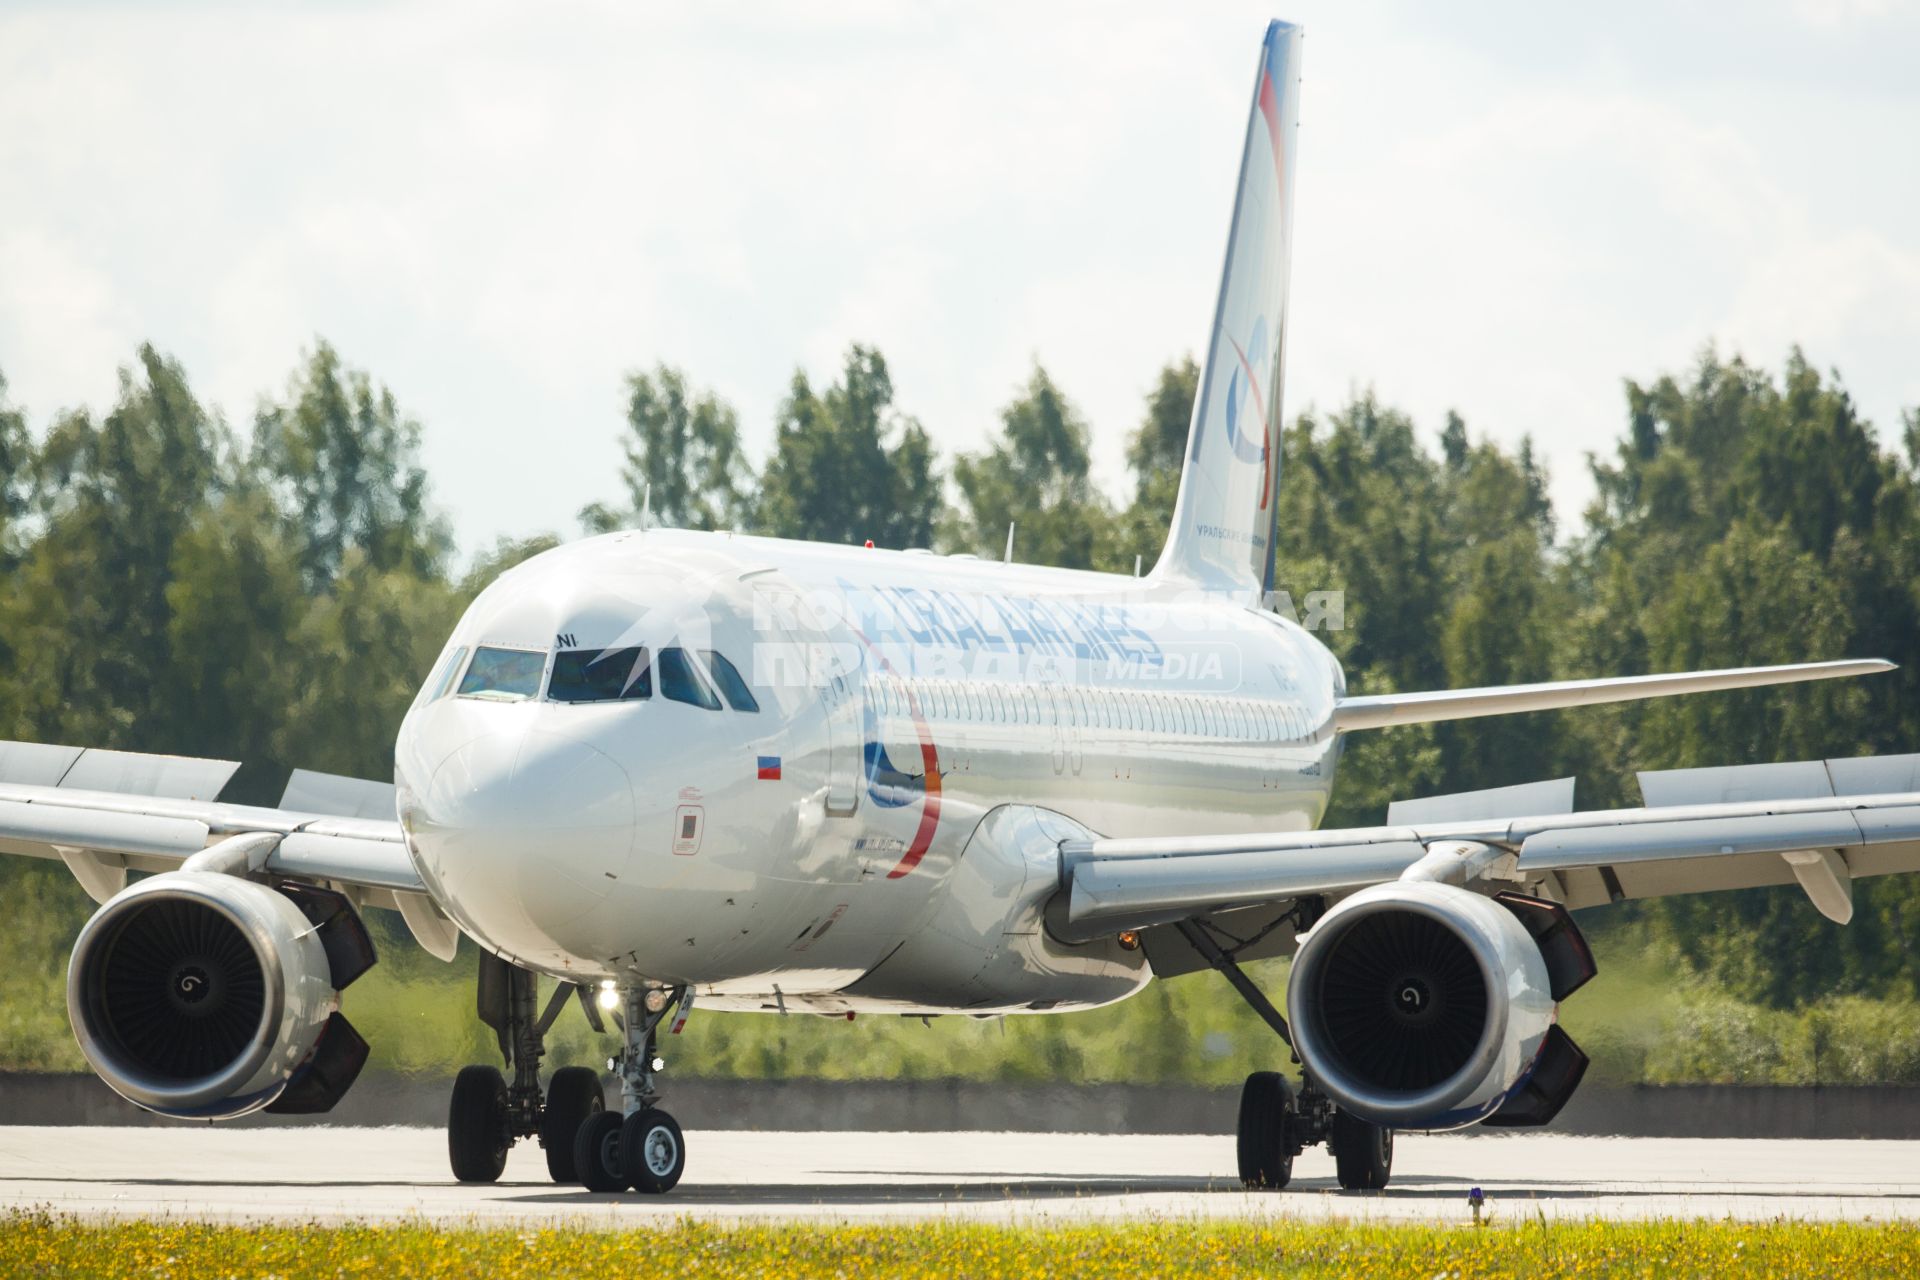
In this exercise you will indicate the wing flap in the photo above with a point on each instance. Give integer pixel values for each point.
(1528, 798)
(130, 773)
(35, 764)
(311, 792)
(1789, 780)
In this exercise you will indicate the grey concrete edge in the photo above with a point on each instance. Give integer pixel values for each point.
(927, 1106)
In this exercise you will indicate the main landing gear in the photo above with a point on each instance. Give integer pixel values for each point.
(1277, 1122)
(583, 1141)
(488, 1115)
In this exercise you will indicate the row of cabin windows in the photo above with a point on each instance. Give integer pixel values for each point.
(1145, 711)
(697, 677)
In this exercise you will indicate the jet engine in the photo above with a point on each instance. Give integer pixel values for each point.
(1422, 1005)
(204, 995)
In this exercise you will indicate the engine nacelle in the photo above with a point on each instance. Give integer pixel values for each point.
(198, 994)
(1419, 1005)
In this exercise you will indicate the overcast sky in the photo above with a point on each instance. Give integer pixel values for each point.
(500, 210)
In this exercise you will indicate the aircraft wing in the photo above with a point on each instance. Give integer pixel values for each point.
(1821, 824)
(105, 813)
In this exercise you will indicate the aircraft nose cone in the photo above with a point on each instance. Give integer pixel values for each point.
(527, 831)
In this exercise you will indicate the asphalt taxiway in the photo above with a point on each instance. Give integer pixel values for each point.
(344, 1174)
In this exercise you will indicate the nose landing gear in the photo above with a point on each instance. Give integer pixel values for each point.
(645, 1149)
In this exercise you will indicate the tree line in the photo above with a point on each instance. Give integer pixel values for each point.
(275, 595)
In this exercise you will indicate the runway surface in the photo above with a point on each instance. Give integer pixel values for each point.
(337, 1174)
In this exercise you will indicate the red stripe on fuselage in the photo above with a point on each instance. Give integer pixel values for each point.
(930, 777)
(930, 803)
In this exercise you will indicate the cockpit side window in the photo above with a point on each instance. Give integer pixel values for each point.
(727, 676)
(600, 675)
(680, 682)
(438, 683)
(504, 675)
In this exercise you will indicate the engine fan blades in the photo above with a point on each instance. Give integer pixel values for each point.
(179, 990)
(1403, 1001)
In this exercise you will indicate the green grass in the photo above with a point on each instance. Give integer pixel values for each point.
(1644, 1019)
(38, 1245)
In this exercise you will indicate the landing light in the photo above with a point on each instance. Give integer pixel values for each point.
(608, 998)
(656, 999)
(1129, 940)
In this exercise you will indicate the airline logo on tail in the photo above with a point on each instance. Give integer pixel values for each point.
(1269, 102)
(1243, 393)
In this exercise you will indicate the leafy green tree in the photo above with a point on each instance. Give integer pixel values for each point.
(16, 476)
(1746, 519)
(1359, 495)
(1037, 475)
(1450, 579)
(1155, 456)
(234, 600)
(364, 649)
(504, 555)
(86, 610)
(847, 466)
(17, 462)
(346, 462)
(684, 459)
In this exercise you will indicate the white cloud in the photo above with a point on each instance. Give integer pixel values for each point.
(501, 211)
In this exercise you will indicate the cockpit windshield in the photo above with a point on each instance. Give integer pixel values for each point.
(503, 675)
(600, 675)
(680, 681)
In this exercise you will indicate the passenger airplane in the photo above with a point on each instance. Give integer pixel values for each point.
(680, 771)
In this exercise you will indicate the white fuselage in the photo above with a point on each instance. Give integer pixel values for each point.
(882, 832)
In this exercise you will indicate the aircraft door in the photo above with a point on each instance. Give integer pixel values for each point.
(823, 652)
(841, 691)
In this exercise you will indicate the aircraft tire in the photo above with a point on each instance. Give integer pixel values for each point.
(1362, 1152)
(573, 1094)
(1265, 1144)
(477, 1134)
(596, 1153)
(654, 1151)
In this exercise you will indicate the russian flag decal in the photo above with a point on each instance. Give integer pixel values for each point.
(769, 768)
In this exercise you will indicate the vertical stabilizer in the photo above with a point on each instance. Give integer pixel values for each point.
(1223, 522)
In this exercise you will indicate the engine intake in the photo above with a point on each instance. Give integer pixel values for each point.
(1403, 1000)
(200, 994)
(181, 993)
(1419, 1004)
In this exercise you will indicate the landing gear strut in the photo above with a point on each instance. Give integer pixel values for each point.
(1276, 1122)
(487, 1114)
(643, 1147)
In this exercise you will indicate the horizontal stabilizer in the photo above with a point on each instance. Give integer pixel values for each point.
(39, 764)
(1378, 711)
(337, 796)
(1552, 796)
